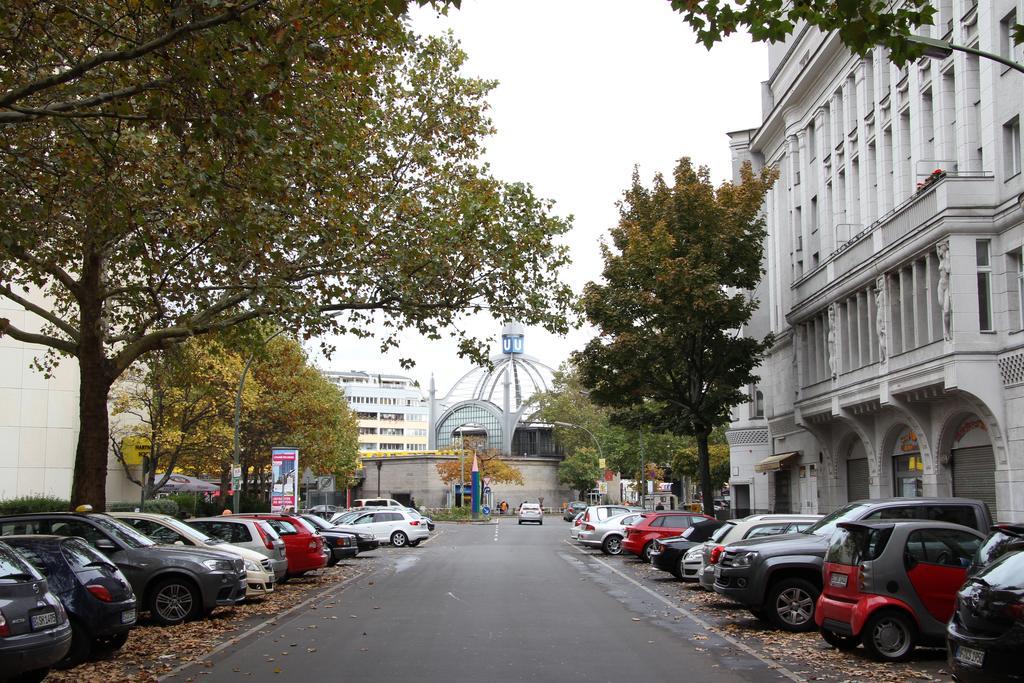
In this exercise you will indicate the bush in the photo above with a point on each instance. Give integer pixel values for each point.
(161, 506)
(463, 514)
(18, 506)
(195, 505)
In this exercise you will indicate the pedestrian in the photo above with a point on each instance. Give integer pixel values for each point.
(226, 512)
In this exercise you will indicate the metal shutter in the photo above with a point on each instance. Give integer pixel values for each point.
(857, 480)
(782, 493)
(974, 475)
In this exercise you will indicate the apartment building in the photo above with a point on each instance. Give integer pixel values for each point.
(390, 409)
(894, 278)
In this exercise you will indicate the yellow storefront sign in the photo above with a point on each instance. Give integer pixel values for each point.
(134, 449)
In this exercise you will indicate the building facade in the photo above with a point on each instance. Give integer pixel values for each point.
(390, 410)
(894, 278)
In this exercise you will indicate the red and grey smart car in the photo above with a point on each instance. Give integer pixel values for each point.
(891, 585)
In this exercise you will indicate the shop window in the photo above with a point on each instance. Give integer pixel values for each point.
(984, 261)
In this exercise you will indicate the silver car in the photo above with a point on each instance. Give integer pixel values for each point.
(254, 534)
(608, 535)
(754, 526)
(531, 512)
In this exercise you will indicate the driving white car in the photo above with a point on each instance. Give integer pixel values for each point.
(397, 527)
(531, 512)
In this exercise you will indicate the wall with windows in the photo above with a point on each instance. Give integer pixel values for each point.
(893, 266)
(390, 410)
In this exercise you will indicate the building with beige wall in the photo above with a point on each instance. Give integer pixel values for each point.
(894, 275)
(390, 410)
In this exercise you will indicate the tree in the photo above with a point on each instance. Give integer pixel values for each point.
(861, 24)
(492, 465)
(275, 165)
(580, 471)
(673, 301)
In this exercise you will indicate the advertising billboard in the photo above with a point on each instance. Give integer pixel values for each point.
(284, 488)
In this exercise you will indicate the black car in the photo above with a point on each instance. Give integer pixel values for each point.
(1002, 539)
(986, 634)
(96, 595)
(341, 544)
(667, 553)
(34, 629)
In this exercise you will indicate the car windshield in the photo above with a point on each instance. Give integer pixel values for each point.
(268, 530)
(14, 568)
(188, 531)
(1005, 572)
(306, 525)
(122, 532)
(827, 524)
(318, 522)
(722, 531)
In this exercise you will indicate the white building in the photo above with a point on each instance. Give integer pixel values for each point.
(390, 410)
(895, 275)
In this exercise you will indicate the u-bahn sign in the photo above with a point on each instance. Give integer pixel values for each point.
(512, 343)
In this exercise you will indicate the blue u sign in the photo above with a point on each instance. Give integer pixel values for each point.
(512, 343)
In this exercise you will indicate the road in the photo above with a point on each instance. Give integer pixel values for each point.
(491, 602)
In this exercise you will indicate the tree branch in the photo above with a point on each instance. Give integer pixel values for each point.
(33, 338)
(55, 320)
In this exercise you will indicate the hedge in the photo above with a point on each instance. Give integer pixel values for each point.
(161, 506)
(19, 506)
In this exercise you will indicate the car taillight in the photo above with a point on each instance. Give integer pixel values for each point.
(716, 554)
(578, 522)
(861, 571)
(5, 630)
(586, 516)
(1016, 610)
(268, 543)
(414, 522)
(588, 527)
(100, 592)
(313, 544)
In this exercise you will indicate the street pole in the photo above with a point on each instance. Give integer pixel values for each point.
(238, 419)
(380, 464)
(573, 425)
(940, 49)
(643, 472)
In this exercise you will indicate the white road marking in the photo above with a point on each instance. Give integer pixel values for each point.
(793, 676)
(454, 596)
(432, 537)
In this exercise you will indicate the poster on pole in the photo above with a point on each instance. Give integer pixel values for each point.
(284, 488)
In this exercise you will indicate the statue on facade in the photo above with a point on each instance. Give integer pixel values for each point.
(942, 290)
(880, 304)
(833, 362)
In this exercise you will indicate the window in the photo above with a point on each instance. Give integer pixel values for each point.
(984, 285)
(947, 547)
(391, 446)
(367, 430)
(767, 530)
(1011, 147)
(1006, 44)
(812, 142)
(1018, 262)
(758, 404)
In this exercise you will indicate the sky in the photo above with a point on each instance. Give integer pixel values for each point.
(587, 90)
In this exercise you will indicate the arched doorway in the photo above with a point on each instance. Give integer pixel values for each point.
(972, 464)
(907, 466)
(857, 474)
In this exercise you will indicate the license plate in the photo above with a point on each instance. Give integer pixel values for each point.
(128, 616)
(838, 580)
(43, 620)
(968, 655)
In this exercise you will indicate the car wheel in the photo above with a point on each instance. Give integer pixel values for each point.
(399, 539)
(520, 522)
(645, 554)
(612, 545)
(840, 641)
(174, 600)
(111, 643)
(35, 676)
(790, 604)
(889, 636)
(81, 647)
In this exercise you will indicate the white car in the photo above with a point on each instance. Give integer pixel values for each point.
(376, 503)
(754, 526)
(608, 535)
(167, 530)
(394, 526)
(577, 524)
(531, 512)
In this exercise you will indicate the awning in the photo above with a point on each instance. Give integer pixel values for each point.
(774, 462)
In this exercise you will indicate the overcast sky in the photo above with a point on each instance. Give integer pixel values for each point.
(587, 89)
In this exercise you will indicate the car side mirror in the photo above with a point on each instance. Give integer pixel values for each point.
(105, 544)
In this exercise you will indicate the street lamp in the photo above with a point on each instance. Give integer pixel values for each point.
(940, 49)
(597, 443)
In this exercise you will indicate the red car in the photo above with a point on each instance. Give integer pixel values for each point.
(303, 546)
(639, 537)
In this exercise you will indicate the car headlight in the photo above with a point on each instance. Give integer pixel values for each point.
(744, 558)
(219, 565)
(692, 555)
(251, 566)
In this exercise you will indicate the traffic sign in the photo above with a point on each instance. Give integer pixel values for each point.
(486, 510)
(487, 490)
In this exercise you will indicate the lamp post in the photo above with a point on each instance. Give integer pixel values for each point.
(380, 464)
(940, 49)
(571, 425)
(238, 419)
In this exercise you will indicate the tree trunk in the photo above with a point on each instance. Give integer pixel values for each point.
(704, 469)
(89, 486)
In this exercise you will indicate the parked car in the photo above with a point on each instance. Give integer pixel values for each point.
(345, 516)
(340, 544)
(573, 509)
(985, 637)
(96, 595)
(426, 520)
(174, 583)
(376, 503)
(1002, 539)
(323, 510)
(754, 526)
(599, 513)
(770, 576)
(252, 534)
(607, 535)
(577, 524)
(167, 530)
(640, 537)
(531, 512)
(892, 584)
(394, 526)
(667, 554)
(35, 633)
(303, 546)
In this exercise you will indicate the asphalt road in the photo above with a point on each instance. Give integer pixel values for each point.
(497, 602)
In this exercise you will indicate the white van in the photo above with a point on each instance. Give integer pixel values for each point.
(376, 503)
